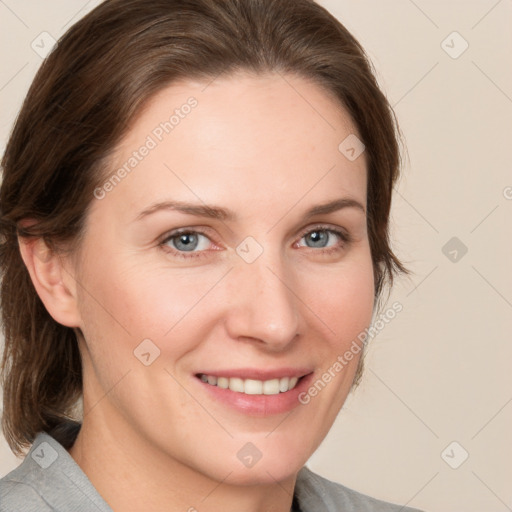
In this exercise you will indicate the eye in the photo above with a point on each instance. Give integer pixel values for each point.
(322, 237)
(186, 243)
(189, 243)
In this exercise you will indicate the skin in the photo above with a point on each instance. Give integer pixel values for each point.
(267, 149)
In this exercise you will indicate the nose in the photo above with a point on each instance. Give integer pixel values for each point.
(263, 306)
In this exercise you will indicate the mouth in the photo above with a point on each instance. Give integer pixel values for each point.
(252, 386)
(256, 392)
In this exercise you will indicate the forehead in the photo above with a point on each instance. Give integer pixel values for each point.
(265, 137)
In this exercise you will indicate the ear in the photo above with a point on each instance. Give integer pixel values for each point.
(54, 283)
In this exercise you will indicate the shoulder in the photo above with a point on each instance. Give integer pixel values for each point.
(17, 492)
(48, 479)
(316, 493)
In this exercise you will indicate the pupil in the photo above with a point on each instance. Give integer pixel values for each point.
(187, 241)
(318, 237)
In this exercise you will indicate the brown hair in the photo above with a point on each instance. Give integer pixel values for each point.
(80, 104)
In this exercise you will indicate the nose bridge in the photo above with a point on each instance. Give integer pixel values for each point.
(264, 307)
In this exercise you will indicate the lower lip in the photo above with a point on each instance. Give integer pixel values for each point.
(259, 405)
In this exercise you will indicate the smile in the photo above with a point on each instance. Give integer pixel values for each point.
(252, 386)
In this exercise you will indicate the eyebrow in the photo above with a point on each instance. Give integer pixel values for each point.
(223, 214)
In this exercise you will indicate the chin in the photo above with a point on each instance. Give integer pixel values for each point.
(251, 466)
(263, 474)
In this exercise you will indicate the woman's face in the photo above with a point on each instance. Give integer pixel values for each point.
(206, 260)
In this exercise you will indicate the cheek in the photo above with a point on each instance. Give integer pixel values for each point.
(343, 299)
(127, 302)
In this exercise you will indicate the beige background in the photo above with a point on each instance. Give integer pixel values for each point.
(440, 371)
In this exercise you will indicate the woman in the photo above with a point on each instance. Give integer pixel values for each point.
(194, 216)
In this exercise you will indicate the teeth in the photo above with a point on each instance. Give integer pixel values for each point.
(251, 386)
(236, 385)
(271, 387)
(284, 384)
(222, 382)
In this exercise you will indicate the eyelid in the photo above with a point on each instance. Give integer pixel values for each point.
(179, 231)
(326, 227)
(337, 230)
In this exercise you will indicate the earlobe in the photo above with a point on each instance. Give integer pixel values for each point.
(54, 284)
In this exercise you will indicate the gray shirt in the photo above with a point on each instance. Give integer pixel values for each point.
(49, 479)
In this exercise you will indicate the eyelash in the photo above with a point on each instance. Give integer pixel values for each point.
(344, 236)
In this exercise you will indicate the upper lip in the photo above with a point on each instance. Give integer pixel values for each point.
(257, 374)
